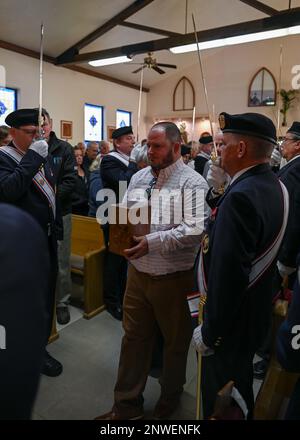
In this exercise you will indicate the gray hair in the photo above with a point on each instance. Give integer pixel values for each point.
(141, 154)
(90, 144)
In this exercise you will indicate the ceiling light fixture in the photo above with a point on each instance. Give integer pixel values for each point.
(109, 61)
(240, 39)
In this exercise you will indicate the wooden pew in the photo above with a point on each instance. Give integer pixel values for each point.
(87, 260)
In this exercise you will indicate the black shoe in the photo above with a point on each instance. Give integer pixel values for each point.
(51, 366)
(116, 312)
(260, 369)
(63, 314)
(155, 372)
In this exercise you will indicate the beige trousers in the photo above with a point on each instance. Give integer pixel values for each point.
(153, 302)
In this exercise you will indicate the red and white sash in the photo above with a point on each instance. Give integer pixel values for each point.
(39, 179)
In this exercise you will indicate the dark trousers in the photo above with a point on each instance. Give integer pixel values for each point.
(222, 367)
(115, 274)
(115, 277)
(151, 303)
(50, 298)
(265, 350)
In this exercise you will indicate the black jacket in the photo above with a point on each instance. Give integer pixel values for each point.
(200, 162)
(24, 274)
(80, 196)
(64, 167)
(113, 171)
(290, 176)
(243, 225)
(17, 188)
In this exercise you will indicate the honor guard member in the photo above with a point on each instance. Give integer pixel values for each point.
(290, 177)
(238, 258)
(117, 166)
(288, 348)
(24, 273)
(27, 181)
(206, 144)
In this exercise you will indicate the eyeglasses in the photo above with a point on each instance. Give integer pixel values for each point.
(149, 189)
(290, 139)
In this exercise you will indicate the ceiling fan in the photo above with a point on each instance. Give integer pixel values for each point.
(151, 63)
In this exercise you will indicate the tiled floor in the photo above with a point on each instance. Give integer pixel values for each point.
(89, 352)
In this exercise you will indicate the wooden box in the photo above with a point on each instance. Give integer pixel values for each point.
(125, 222)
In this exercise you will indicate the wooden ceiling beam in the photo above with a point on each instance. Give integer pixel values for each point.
(110, 24)
(33, 54)
(262, 7)
(142, 27)
(283, 19)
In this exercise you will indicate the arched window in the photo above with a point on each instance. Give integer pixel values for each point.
(184, 95)
(262, 90)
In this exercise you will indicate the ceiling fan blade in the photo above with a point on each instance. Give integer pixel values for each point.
(171, 66)
(158, 70)
(138, 70)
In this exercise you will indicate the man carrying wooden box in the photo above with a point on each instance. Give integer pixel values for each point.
(159, 276)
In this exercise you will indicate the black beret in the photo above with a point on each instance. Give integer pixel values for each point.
(205, 139)
(185, 149)
(24, 116)
(249, 124)
(121, 131)
(295, 128)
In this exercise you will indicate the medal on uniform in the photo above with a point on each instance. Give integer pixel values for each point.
(205, 244)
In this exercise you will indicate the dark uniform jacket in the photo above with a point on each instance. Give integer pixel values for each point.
(200, 162)
(24, 273)
(113, 171)
(64, 168)
(290, 176)
(17, 188)
(243, 225)
(288, 338)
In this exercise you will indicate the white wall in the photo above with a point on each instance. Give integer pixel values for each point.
(228, 73)
(65, 92)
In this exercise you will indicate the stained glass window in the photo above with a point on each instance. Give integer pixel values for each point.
(93, 122)
(123, 118)
(8, 102)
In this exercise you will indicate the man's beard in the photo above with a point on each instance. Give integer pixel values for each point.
(167, 161)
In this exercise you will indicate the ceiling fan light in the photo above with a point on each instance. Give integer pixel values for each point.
(109, 61)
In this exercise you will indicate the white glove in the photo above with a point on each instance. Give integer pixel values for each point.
(285, 270)
(40, 147)
(198, 343)
(275, 158)
(216, 176)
